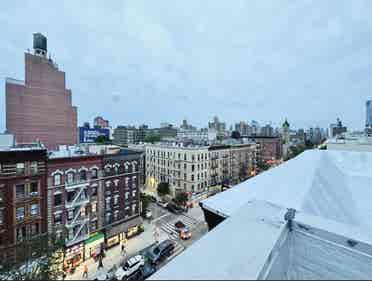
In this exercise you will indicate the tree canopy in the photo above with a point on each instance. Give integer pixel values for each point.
(181, 198)
(163, 188)
(39, 258)
(101, 139)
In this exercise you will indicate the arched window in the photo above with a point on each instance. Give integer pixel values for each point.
(57, 179)
(94, 173)
(70, 178)
(83, 175)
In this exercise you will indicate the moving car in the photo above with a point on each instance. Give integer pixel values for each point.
(174, 208)
(159, 252)
(153, 199)
(103, 274)
(183, 230)
(133, 265)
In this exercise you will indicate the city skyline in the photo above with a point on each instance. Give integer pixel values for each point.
(140, 60)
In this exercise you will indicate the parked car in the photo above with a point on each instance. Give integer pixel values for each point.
(162, 203)
(182, 230)
(148, 270)
(148, 214)
(132, 265)
(103, 274)
(159, 252)
(174, 208)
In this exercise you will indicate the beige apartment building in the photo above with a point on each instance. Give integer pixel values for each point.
(195, 168)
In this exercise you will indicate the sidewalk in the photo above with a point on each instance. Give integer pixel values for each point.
(114, 256)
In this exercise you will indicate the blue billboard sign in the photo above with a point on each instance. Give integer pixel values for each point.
(89, 135)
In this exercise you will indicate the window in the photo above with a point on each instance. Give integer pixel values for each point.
(34, 210)
(94, 173)
(57, 179)
(20, 191)
(134, 207)
(58, 218)
(107, 169)
(185, 157)
(70, 178)
(57, 199)
(108, 201)
(20, 168)
(21, 233)
(126, 195)
(116, 169)
(134, 193)
(108, 218)
(83, 175)
(1, 196)
(192, 177)
(34, 229)
(184, 176)
(192, 168)
(70, 196)
(185, 166)
(1, 216)
(20, 213)
(94, 191)
(116, 200)
(33, 167)
(94, 207)
(34, 188)
(193, 158)
(70, 214)
(116, 215)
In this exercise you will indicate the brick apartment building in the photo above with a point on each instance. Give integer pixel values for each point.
(270, 147)
(121, 195)
(39, 108)
(74, 203)
(23, 204)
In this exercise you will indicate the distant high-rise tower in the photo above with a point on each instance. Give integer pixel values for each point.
(39, 108)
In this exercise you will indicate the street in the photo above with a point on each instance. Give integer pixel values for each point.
(161, 223)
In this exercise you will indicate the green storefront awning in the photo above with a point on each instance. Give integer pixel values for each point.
(95, 237)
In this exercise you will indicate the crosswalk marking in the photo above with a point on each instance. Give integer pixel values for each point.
(188, 219)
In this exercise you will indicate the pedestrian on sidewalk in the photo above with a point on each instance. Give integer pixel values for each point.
(85, 271)
(100, 264)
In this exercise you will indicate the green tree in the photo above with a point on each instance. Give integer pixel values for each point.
(262, 165)
(152, 138)
(181, 198)
(145, 201)
(39, 258)
(163, 188)
(101, 139)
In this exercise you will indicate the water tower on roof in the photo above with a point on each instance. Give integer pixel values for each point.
(40, 44)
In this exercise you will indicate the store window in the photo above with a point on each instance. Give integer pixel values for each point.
(34, 209)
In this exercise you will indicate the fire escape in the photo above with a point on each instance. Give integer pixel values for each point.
(77, 222)
(214, 169)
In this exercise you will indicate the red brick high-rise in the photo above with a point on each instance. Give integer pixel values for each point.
(40, 108)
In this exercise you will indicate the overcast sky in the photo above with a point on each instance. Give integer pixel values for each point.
(149, 61)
